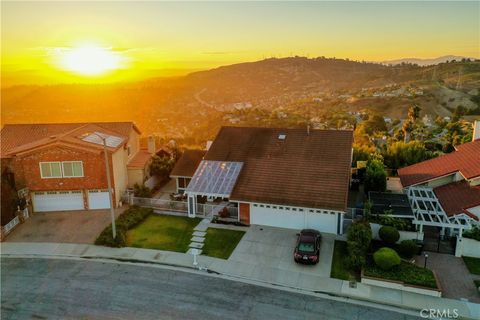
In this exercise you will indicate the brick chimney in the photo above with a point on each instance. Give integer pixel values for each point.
(151, 145)
(476, 130)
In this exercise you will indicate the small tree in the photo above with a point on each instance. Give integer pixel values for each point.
(161, 166)
(359, 237)
(375, 176)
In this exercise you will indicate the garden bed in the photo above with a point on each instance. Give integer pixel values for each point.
(406, 273)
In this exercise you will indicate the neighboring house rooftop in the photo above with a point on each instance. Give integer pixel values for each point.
(466, 160)
(16, 138)
(139, 160)
(458, 197)
(288, 166)
(188, 163)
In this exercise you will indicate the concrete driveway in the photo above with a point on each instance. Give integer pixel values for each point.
(268, 248)
(63, 226)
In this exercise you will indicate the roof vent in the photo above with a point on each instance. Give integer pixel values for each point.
(282, 137)
(53, 137)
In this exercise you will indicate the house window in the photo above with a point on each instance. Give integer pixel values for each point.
(50, 170)
(72, 169)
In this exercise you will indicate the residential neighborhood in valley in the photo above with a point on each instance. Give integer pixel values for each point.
(209, 181)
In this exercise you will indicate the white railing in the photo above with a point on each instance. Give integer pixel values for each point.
(210, 210)
(11, 225)
(168, 205)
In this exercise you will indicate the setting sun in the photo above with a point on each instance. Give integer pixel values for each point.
(89, 60)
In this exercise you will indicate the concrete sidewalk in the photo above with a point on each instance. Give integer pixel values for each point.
(306, 282)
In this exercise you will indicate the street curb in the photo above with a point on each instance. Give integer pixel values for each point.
(209, 272)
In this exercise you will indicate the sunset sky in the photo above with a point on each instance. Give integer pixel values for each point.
(45, 42)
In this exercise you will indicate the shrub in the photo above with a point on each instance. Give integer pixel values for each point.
(389, 235)
(408, 248)
(386, 258)
(141, 191)
(127, 220)
(474, 233)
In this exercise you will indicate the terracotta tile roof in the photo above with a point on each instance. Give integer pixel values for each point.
(309, 170)
(457, 197)
(139, 160)
(188, 163)
(465, 159)
(18, 136)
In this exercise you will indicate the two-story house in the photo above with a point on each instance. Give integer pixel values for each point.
(63, 165)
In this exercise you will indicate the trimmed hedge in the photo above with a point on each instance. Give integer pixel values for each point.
(405, 272)
(389, 235)
(386, 258)
(127, 220)
(408, 248)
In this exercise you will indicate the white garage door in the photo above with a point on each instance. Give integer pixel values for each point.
(98, 199)
(58, 201)
(282, 218)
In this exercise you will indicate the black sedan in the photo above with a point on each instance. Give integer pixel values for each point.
(307, 249)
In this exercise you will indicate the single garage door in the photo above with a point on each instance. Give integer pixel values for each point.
(58, 201)
(290, 219)
(98, 199)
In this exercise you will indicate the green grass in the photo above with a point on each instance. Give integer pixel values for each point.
(163, 232)
(340, 268)
(473, 264)
(406, 272)
(220, 243)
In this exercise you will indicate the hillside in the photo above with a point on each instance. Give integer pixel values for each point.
(195, 106)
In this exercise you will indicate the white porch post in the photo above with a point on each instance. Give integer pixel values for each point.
(458, 247)
(192, 205)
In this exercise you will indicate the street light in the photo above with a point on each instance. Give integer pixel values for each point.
(426, 258)
(109, 183)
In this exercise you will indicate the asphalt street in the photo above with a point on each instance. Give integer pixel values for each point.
(71, 289)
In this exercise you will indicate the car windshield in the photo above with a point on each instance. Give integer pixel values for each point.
(306, 247)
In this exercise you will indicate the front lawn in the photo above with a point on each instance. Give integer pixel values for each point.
(405, 272)
(220, 243)
(163, 232)
(340, 269)
(473, 264)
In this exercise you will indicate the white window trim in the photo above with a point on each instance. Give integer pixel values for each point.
(49, 162)
(63, 173)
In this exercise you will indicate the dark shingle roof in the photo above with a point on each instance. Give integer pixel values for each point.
(309, 170)
(188, 163)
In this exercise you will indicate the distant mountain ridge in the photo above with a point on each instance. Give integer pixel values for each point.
(426, 62)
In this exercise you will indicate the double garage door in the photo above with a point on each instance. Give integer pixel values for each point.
(282, 218)
(69, 200)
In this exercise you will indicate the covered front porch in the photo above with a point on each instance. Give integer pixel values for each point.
(209, 191)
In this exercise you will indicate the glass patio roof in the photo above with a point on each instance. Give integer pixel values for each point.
(215, 178)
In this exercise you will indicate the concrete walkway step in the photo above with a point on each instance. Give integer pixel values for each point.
(199, 233)
(196, 245)
(198, 239)
(201, 227)
(199, 251)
